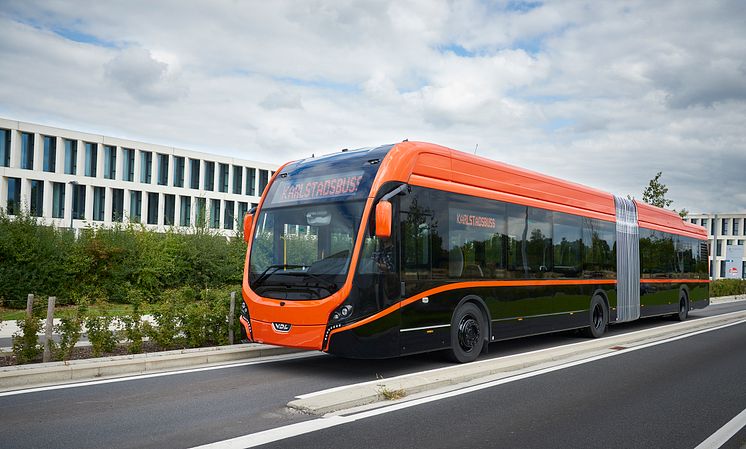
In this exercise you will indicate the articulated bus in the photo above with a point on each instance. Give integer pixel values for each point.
(414, 247)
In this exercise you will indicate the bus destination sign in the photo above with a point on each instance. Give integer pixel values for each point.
(319, 187)
(472, 220)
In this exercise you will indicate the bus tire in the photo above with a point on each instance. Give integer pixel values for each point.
(468, 331)
(598, 318)
(683, 308)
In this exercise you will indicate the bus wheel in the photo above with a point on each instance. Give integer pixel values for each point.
(598, 318)
(467, 333)
(683, 308)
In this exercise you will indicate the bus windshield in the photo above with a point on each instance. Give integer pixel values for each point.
(303, 252)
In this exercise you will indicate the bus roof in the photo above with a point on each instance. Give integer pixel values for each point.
(431, 165)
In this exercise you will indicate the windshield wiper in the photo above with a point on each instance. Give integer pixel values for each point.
(327, 285)
(267, 273)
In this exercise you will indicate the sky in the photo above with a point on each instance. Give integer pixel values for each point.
(604, 93)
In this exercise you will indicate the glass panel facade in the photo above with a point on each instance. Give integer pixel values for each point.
(200, 214)
(71, 157)
(251, 181)
(215, 214)
(135, 206)
(5, 147)
(162, 169)
(99, 201)
(58, 200)
(129, 164)
(146, 166)
(27, 151)
(736, 223)
(194, 173)
(209, 175)
(237, 179)
(228, 215)
(110, 162)
(91, 158)
(724, 226)
(169, 209)
(185, 212)
(78, 202)
(50, 154)
(263, 180)
(152, 208)
(37, 198)
(14, 196)
(117, 205)
(178, 171)
(223, 177)
(243, 207)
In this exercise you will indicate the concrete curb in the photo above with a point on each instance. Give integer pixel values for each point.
(26, 376)
(370, 392)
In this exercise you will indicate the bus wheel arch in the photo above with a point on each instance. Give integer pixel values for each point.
(470, 330)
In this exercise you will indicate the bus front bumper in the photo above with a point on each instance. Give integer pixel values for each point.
(287, 334)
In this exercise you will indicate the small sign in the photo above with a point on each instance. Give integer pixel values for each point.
(733, 261)
(319, 187)
(474, 220)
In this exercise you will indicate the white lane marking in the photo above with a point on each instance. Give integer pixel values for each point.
(263, 360)
(725, 433)
(507, 357)
(293, 430)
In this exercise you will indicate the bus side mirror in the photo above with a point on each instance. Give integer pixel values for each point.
(383, 219)
(247, 220)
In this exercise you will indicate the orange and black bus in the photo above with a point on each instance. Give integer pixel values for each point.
(415, 247)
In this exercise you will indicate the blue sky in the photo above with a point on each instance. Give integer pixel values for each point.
(602, 93)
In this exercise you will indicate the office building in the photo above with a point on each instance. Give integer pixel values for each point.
(723, 230)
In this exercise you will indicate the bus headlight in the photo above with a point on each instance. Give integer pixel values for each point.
(343, 312)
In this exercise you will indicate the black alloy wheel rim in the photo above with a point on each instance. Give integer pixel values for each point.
(468, 333)
(682, 307)
(598, 317)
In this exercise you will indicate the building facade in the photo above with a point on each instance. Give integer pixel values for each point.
(723, 230)
(74, 179)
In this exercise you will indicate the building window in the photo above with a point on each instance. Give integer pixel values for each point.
(194, 173)
(146, 166)
(263, 180)
(178, 171)
(740, 242)
(209, 175)
(712, 227)
(58, 200)
(5, 147)
(91, 158)
(14, 196)
(704, 223)
(722, 269)
(215, 214)
(736, 225)
(695, 221)
(251, 181)
(228, 215)
(99, 201)
(71, 157)
(110, 162)
(185, 211)
(152, 208)
(243, 207)
(135, 206)
(129, 164)
(200, 213)
(78, 201)
(50, 154)
(162, 169)
(27, 151)
(223, 177)
(237, 179)
(169, 209)
(719, 248)
(36, 208)
(724, 226)
(117, 205)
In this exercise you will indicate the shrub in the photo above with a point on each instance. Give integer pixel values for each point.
(133, 329)
(167, 330)
(100, 335)
(727, 287)
(26, 345)
(69, 330)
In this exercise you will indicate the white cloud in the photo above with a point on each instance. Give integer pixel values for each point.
(604, 93)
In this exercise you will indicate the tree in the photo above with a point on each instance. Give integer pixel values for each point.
(655, 193)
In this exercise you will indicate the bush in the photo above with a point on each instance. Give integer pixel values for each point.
(100, 335)
(727, 287)
(69, 330)
(167, 330)
(26, 345)
(133, 330)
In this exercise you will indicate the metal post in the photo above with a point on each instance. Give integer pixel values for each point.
(30, 305)
(230, 318)
(48, 329)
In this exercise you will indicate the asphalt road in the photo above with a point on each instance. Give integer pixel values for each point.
(194, 408)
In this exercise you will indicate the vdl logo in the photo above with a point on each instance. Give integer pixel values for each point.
(281, 327)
